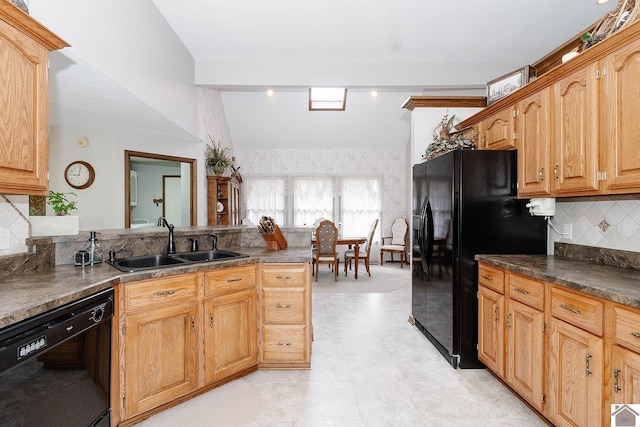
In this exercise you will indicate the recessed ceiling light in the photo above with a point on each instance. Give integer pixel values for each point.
(603, 1)
(269, 92)
(374, 93)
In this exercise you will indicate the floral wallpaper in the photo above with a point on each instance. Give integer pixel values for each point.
(388, 164)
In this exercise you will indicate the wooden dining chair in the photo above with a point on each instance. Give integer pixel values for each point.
(366, 256)
(326, 241)
(398, 242)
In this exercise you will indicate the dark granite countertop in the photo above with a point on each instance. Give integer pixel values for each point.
(27, 294)
(609, 282)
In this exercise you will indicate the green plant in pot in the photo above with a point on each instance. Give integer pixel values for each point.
(60, 203)
(217, 158)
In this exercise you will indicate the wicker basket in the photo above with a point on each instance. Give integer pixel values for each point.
(625, 13)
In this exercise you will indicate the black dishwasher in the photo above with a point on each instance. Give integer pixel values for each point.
(55, 367)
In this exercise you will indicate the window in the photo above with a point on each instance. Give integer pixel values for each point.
(312, 199)
(265, 197)
(327, 99)
(353, 202)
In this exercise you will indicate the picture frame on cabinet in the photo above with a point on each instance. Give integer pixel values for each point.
(504, 85)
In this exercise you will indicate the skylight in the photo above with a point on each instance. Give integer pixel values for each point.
(327, 99)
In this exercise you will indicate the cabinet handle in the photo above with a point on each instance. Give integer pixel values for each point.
(237, 279)
(487, 277)
(616, 384)
(555, 171)
(283, 277)
(635, 334)
(571, 309)
(193, 324)
(541, 174)
(283, 306)
(495, 312)
(587, 359)
(211, 320)
(288, 344)
(508, 320)
(165, 293)
(521, 291)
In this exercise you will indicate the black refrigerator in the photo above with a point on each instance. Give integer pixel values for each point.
(464, 203)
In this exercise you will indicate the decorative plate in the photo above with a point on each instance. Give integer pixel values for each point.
(220, 207)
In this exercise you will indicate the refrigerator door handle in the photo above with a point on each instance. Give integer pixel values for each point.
(426, 240)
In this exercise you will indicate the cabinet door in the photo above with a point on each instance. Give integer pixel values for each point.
(575, 133)
(534, 139)
(626, 376)
(620, 112)
(524, 351)
(498, 131)
(231, 334)
(575, 376)
(490, 329)
(24, 106)
(160, 356)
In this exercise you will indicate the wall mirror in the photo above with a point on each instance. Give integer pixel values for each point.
(157, 185)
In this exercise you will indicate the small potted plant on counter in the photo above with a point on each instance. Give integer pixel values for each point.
(62, 223)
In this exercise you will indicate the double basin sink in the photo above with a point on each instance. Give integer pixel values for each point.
(146, 262)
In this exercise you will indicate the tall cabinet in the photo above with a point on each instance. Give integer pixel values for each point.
(24, 104)
(223, 200)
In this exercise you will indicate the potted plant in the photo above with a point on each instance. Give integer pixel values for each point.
(217, 158)
(60, 224)
(60, 204)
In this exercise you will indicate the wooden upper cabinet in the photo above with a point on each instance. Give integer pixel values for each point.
(575, 130)
(619, 116)
(497, 132)
(24, 105)
(534, 136)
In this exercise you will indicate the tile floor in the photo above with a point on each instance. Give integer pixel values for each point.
(371, 367)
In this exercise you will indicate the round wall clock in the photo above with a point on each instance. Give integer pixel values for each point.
(79, 174)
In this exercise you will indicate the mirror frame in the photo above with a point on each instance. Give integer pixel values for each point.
(127, 196)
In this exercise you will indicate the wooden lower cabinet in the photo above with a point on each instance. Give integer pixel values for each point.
(161, 356)
(524, 352)
(286, 316)
(625, 384)
(490, 329)
(511, 331)
(231, 334)
(180, 335)
(575, 376)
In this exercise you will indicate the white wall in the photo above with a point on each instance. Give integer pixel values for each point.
(132, 44)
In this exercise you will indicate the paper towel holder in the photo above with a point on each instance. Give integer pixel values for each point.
(542, 207)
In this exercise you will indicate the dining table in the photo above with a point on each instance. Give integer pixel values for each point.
(354, 241)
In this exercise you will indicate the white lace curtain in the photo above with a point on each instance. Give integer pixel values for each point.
(361, 205)
(312, 199)
(265, 196)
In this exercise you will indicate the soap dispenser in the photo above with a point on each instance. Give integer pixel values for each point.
(95, 252)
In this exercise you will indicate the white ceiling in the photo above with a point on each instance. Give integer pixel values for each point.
(399, 47)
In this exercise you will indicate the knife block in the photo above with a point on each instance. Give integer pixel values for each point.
(274, 241)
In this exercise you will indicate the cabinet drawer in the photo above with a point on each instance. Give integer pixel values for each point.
(578, 309)
(284, 343)
(162, 291)
(626, 324)
(284, 274)
(230, 279)
(491, 277)
(283, 306)
(526, 290)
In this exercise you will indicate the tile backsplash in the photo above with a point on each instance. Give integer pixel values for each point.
(607, 221)
(13, 209)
